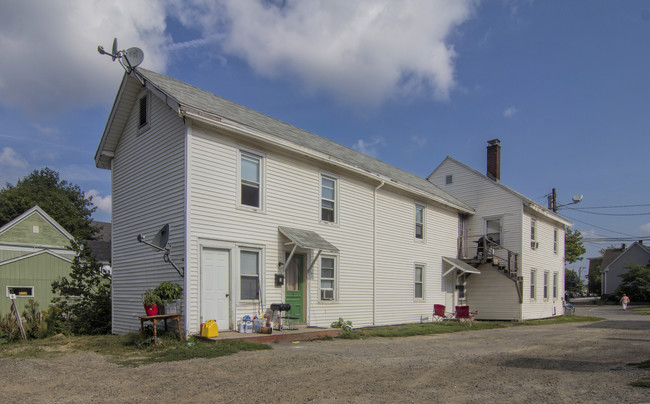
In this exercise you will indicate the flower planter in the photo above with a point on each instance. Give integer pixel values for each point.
(151, 309)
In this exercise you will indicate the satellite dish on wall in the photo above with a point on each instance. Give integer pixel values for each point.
(160, 243)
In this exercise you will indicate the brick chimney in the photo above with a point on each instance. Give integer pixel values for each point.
(494, 159)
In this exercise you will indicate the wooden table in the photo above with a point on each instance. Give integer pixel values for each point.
(158, 317)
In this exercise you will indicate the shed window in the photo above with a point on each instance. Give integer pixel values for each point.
(20, 291)
(144, 112)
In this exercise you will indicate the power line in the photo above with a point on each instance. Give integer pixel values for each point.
(598, 227)
(613, 206)
(609, 214)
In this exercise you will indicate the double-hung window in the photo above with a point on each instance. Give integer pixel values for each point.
(419, 221)
(327, 278)
(249, 271)
(533, 234)
(418, 291)
(555, 280)
(545, 284)
(250, 178)
(555, 245)
(533, 275)
(328, 187)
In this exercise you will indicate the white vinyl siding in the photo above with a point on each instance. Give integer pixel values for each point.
(148, 185)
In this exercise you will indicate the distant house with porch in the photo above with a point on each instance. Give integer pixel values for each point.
(261, 212)
(515, 243)
(33, 253)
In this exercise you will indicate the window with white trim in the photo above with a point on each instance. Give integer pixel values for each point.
(250, 179)
(493, 230)
(533, 275)
(533, 234)
(555, 245)
(327, 278)
(249, 272)
(419, 221)
(555, 282)
(545, 284)
(328, 191)
(418, 290)
(20, 291)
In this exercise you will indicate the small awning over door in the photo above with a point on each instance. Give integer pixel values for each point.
(306, 239)
(460, 265)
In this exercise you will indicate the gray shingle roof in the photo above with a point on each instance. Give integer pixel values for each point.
(190, 96)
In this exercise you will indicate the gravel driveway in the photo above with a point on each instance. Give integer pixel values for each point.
(570, 363)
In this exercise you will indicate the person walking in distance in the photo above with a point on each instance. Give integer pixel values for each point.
(625, 301)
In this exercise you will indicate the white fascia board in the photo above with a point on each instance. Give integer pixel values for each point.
(109, 123)
(314, 154)
(22, 257)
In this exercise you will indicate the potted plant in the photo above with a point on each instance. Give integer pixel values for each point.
(169, 293)
(151, 300)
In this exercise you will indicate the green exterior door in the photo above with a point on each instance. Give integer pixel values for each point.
(295, 287)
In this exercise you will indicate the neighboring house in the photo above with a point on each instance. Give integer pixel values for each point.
(261, 212)
(522, 273)
(33, 253)
(617, 261)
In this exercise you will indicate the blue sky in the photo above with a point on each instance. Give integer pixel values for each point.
(563, 84)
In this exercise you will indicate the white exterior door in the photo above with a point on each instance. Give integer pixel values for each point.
(215, 286)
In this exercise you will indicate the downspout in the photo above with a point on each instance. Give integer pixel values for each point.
(374, 251)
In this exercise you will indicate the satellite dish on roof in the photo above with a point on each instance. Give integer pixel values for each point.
(129, 58)
(114, 48)
(134, 56)
(160, 243)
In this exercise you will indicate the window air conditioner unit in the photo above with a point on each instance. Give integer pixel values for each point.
(327, 294)
(534, 245)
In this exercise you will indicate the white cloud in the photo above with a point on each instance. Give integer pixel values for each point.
(49, 58)
(645, 228)
(370, 148)
(419, 141)
(9, 158)
(103, 203)
(363, 51)
(510, 112)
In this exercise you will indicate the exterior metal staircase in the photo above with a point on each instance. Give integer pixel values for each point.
(505, 261)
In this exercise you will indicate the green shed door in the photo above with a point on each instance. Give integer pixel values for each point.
(295, 287)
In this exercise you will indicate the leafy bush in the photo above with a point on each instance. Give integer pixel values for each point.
(346, 326)
(636, 283)
(84, 298)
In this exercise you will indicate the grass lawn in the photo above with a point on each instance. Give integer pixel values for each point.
(132, 350)
(645, 310)
(128, 350)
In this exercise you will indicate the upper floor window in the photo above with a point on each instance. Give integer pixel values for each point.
(419, 221)
(449, 180)
(144, 108)
(250, 174)
(555, 245)
(327, 278)
(249, 271)
(328, 198)
(533, 234)
(493, 230)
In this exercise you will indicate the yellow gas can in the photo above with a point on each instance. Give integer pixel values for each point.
(210, 329)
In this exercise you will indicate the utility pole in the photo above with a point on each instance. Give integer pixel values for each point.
(552, 201)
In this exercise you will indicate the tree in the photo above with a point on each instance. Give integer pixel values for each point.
(66, 203)
(85, 298)
(572, 281)
(636, 283)
(594, 275)
(573, 246)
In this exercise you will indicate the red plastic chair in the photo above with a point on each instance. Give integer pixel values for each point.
(439, 314)
(464, 316)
